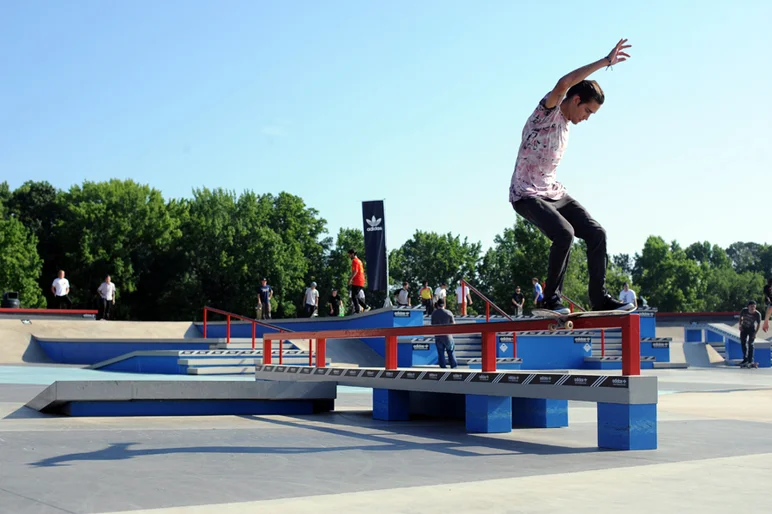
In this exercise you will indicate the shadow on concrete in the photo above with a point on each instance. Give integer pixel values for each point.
(445, 438)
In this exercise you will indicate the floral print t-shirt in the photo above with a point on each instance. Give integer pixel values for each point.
(545, 137)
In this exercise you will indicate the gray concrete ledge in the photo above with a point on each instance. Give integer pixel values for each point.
(63, 392)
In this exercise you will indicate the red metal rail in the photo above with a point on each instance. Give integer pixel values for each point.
(629, 323)
(229, 315)
(488, 302)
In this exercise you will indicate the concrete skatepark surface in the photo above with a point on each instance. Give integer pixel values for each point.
(714, 455)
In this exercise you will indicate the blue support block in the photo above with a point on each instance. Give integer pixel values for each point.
(488, 414)
(390, 405)
(627, 427)
(537, 413)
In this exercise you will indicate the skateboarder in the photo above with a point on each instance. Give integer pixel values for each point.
(537, 196)
(750, 322)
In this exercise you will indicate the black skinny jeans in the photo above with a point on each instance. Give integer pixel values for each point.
(561, 221)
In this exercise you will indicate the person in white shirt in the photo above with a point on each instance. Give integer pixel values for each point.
(403, 296)
(311, 300)
(61, 290)
(627, 295)
(440, 293)
(463, 295)
(106, 297)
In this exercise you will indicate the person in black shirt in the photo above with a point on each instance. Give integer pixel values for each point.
(264, 295)
(768, 302)
(518, 300)
(334, 302)
(750, 322)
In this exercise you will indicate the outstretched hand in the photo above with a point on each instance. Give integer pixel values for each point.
(618, 54)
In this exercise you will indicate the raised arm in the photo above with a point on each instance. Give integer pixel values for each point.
(565, 83)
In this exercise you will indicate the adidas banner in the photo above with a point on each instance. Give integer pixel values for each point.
(375, 246)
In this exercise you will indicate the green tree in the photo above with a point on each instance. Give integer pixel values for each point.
(436, 258)
(520, 253)
(668, 278)
(20, 265)
(118, 228)
(37, 206)
(230, 242)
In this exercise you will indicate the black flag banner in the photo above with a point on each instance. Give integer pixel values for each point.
(375, 245)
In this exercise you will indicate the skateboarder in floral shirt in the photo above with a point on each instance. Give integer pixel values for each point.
(538, 197)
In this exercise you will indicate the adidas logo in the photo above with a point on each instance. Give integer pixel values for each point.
(375, 224)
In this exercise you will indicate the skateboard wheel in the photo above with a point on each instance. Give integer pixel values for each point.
(552, 327)
(570, 325)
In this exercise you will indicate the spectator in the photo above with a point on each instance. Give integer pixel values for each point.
(311, 300)
(440, 293)
(61, 290)
(335, 303)
(264, 295)
(627, 295)
(518, 300)
(750, 323)
(107, 297)
(403, 296)
(463, 294)
(357, 282)
(444, 343)
(538, 296)
(426, 298)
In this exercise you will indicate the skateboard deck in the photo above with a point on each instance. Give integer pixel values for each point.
(564, 321)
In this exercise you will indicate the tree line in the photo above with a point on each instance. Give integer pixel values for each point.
(170, 257)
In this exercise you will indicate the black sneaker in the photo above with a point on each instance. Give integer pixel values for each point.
(610, 304)
(555, 305)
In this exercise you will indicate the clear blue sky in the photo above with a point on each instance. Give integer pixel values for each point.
(420, 103)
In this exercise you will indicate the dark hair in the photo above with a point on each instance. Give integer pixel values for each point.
(352, 252)
(587, 90)
(440, 303)
(404, 283)
(426, 282)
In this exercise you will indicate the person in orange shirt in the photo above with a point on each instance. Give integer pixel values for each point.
(357, 282)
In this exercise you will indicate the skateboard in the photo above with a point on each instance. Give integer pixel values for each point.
(565, 321)
(751, 365)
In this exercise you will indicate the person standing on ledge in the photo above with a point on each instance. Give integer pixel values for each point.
(537, 196)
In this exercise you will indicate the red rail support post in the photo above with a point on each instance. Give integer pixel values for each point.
(487, 312)
(267, 347)
(391, 352)
(310, 352)
(254, 327)
(321, 352)
(228, 335)
(281, 351)
(488, 352)
(602, 343)
(631, 345)
(514, 345)
(205, 322)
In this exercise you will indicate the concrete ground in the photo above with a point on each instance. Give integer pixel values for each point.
(715, 455)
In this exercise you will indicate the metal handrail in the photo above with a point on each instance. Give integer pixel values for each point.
(488, 302)
(573, 303)
(229, 315)
(627, 322)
